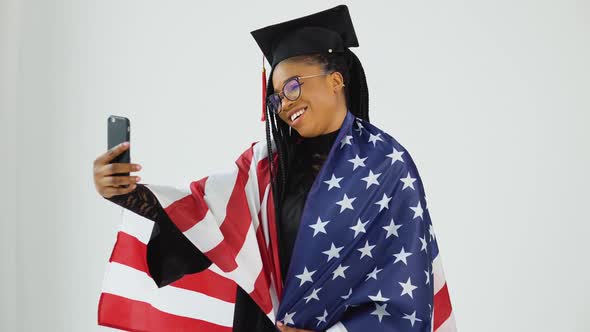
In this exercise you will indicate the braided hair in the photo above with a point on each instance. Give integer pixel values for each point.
(357, 102)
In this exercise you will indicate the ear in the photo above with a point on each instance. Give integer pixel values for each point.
(336, 81)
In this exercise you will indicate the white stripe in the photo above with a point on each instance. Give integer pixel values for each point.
(338, 327)
(127, 282)
(439, 275)
(136, 226)
(218, 190)
(167, 195)
(205, 234)
(264, 216)
(449, 325)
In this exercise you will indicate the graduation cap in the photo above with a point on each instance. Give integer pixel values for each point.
(327, 31)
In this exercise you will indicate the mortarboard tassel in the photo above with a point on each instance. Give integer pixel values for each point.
(263, 118)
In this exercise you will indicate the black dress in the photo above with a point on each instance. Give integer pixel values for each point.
(170, 255)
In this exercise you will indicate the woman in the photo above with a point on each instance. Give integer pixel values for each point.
(316, 91)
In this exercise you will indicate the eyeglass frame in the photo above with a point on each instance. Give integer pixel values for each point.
(297, 78)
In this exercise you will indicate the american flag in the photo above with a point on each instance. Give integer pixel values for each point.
(365, 259)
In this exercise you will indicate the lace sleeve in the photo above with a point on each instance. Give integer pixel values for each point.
(170, 255)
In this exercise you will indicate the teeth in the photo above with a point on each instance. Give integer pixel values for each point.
(297, 114)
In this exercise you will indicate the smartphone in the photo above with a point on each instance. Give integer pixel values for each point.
(119, 131)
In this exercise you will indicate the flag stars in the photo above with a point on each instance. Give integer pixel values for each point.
(334, 182)
(384, 202)
(391, 229)
(407, 288)
(346, 203)
(288, 319)
(359, 227)
(412, 318)
(346, 141)
(334, 252)
(371, 179)
(373, 275)
(345, 297)
(366, 250)
(431, 231)
(319, 227)
(427, 277)
(395, 156)
(378, 297)
(305, 276)
(339, 272)
(380, 311)
(402, 256)
(357, 162)
(313, 295)
(417, 210)
(322, 319)
(408, 182)
(423, 241)
(374, 138)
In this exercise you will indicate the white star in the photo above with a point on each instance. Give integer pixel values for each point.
(423, 240)
(319, 227)
(366, 250)
(427, 277)
(333, 252)
(345, 297)
(380, 311)
(417, 210)
(359, 227)
(408, 181)
(289, 318)
(339, 272)
(375, 138)
(359, 124)
(357, 161)
(371, 179)
(408, 288)
(378, 297)
(373, 274)
(305, 276)
(345, 141)
(412, 318)
(431, 231)
(313, 295)
(334, 182)
(396, 155)
(346, 203)
(322, 319)
(401, 257)
(392, 229)
(384, 202)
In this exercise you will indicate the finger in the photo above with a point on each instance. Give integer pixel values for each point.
(116, 181)
(113, 191)
(117, 168)
(111, 154)
(283, 328)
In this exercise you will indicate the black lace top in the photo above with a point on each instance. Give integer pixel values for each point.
(170, 255)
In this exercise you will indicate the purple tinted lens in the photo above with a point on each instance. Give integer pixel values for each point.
(292, 89)
(274, 103)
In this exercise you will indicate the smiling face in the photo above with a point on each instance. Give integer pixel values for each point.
(322, 98)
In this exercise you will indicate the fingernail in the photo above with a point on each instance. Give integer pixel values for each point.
(125, 144)
(138, 167)
(279, 324)
(137, 179)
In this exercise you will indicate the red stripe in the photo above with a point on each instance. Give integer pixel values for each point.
(189, 210)
(442, 307)
(270, 212)
(130, 315)
(131, 252)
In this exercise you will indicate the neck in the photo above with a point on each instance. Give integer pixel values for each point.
(338, 119)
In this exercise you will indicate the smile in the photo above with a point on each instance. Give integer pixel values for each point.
(296, 115)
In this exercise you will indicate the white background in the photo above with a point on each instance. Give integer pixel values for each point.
(491, 98)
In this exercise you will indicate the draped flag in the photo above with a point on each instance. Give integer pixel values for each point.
(365, 259)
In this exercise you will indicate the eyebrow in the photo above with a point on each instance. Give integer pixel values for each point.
(288, 78)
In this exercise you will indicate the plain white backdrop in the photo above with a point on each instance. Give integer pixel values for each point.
(491, 99)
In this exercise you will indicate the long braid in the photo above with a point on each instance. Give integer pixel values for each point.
(357, 102)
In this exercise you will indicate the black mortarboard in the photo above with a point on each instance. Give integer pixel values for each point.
(328, 31)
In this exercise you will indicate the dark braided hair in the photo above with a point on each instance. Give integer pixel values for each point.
(357, 102)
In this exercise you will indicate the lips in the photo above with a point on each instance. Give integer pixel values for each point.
(297, 113)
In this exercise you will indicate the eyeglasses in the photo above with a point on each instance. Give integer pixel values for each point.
(291, 90)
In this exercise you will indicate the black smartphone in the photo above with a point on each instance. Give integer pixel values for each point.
(119, 131)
